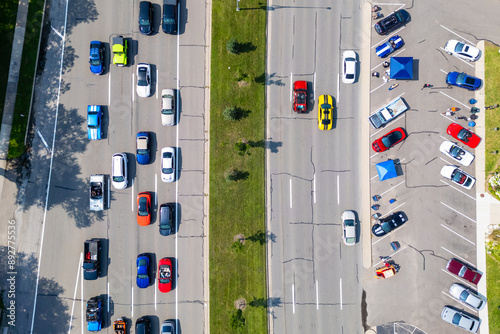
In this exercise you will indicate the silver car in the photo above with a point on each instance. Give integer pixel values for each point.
(143, 80)
(119, 171)
(168, 164)
(468, 296)
(460, 319)
(349, 228)
(167, 107)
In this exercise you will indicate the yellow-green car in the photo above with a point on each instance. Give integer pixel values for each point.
(325, 112)
(119, 51)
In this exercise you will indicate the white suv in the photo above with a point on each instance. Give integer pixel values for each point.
(119, 170)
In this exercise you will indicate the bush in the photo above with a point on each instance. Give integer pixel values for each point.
(237, 246)
(233, 46)
(242, 148)
(237, 321)
(231, 114)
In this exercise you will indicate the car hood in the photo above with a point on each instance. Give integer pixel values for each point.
(143, 91)
(96, 69)
(94, 133)
(446, 171)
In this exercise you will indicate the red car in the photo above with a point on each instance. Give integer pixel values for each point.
(144, 209)
(165, 275)
(300, 96)
(458, 268)
(389, 140)
(464, 135)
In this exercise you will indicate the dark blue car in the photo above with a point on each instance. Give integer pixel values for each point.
(143, 271)
(142, 152)
(394, 43)
(96, 58)
(463, 80)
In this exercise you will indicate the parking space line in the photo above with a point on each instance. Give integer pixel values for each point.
(290, 193)
(458, 278)
(442, 26)
(400, 205)
(400, 183)
(132, 198)
(387, 38)
(293, 298)
(157, 71)
(338, 189)
(314, 86)
(132, 302)
(443, 71)
(133, 80)
(338, 88)
(449, 163)
(380, 239)
(314, 188)
(74, 295)
(317, 296)
(392, 123)
(463, 105)
(449, 229)
(448, 118)
(463, 304)
(291, 86)
(394, 55)
(374, 155)
(465, 61)
(443, 137)
(392, 255)
(471, 197)
(459, 257)
(341, 294)
(376, 175)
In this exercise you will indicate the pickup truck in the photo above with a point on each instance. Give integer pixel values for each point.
(120, 51)
(96, 192)
(120, 326)
(91, 265)
(94, 318)
(387, 113)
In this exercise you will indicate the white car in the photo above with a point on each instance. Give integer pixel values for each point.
(458, 176)
(349, 228)
(168, 164)
(456, 153)
(167, 107)
(462, 50)
(119, 170)
(349, 63)
(460, 319)
(468, 296)
(143, 80)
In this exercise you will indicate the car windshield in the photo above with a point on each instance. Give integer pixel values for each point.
(118, 178)
(464, 295)
(456, 319)
(144, 22)
(142, 210)
(141, 77)
(349, 222)
(456, 152)
(464, 135)
(386, 226)
(167, 111)
(459, 47)
(461, 78)
(391, 139)
(462, 271)
(326, 106)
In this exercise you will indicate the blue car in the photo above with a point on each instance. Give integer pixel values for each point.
(142, 151)
(94, 117)
(463, 80)
(143, 271)
(93, 314)
(390, 46)
(96, 58)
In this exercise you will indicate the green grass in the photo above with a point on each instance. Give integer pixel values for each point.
(26, 76)
(493, 288)
(237, 207)
(492, 91)
(8, 14)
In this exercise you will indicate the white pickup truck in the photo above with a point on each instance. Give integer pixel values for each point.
(387, 113)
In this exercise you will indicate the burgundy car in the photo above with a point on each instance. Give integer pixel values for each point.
(300, 96)
(464, 135)
(389, 140)
(458, 268)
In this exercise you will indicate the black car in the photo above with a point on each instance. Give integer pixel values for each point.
(142, 326)
(167, 213)
(391, 22)
(145, 17)
(169, 19)
(389, 223)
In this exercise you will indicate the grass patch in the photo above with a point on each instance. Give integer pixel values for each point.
(26, 76)
(493, 288)
(8, 14)
(492, 120)
(237, 206)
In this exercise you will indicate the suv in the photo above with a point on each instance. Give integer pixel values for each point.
(119, 170)
(143, 326)
(166, 219)
(169, 20)
(145, 17)
(391, 22)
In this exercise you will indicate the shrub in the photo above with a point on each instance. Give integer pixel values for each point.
(232, 46)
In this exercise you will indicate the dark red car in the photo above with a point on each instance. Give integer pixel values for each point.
(464, 135)
(389, 140)
(300, 96)
(165, 275)
(460, 269)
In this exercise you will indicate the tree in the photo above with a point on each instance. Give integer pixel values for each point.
(237, 321)
(231, 114)
(233, 46)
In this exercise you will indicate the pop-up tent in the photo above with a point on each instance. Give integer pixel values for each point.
(401, 68)
(386, 170)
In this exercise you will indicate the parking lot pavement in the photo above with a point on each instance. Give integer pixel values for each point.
(444, 219)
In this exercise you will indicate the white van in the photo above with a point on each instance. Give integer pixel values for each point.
(119, 170)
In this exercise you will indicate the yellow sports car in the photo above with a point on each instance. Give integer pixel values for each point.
(325, 112)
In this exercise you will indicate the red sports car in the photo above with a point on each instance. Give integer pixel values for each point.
(165, 275)
(458, 268)
(464, 135)
(300, 96)
(144, 208)
(389, 140)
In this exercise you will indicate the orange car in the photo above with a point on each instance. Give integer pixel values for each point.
(144, 209)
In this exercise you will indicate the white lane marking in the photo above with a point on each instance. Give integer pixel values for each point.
(314, 188)
(462, 60)
(449, 229)
(449, 207)
(385, 236)
(374, 177)
(385, 105)
(293, 298)
(449, 163)
(443, 71)
(133, 80)
(383, 84)
(157, 83)
(291, 86)
(156, 188)
(109, 88)
(317, 296)
(443, 137)
(81, 297)
(177, 164)
(451, 186)
(57, 32)
(156, 290)
(107, 304)
(375, 155)
(442, 26)
(341, 294)
(109, 193)
(314, 86)
(338, 88)
(458, 278)
(392, 255)
(74, 294)
(387, 38)
(473, 309)
(132, 198)
(338, 189)
(459, 257)
(448, 118)
(393, 210)
(393, 55)
(463, 105)
(290, 193)
(132, 303)
(47, 192)
(385, 192)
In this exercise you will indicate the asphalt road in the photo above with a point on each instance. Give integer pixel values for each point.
(313, 175)
(177, 62)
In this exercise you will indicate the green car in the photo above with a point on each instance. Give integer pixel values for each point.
(119, 51)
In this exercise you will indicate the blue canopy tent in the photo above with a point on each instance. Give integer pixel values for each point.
(401, 68)
(386, 170)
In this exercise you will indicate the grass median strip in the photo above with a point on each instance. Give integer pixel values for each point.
(237, 187)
